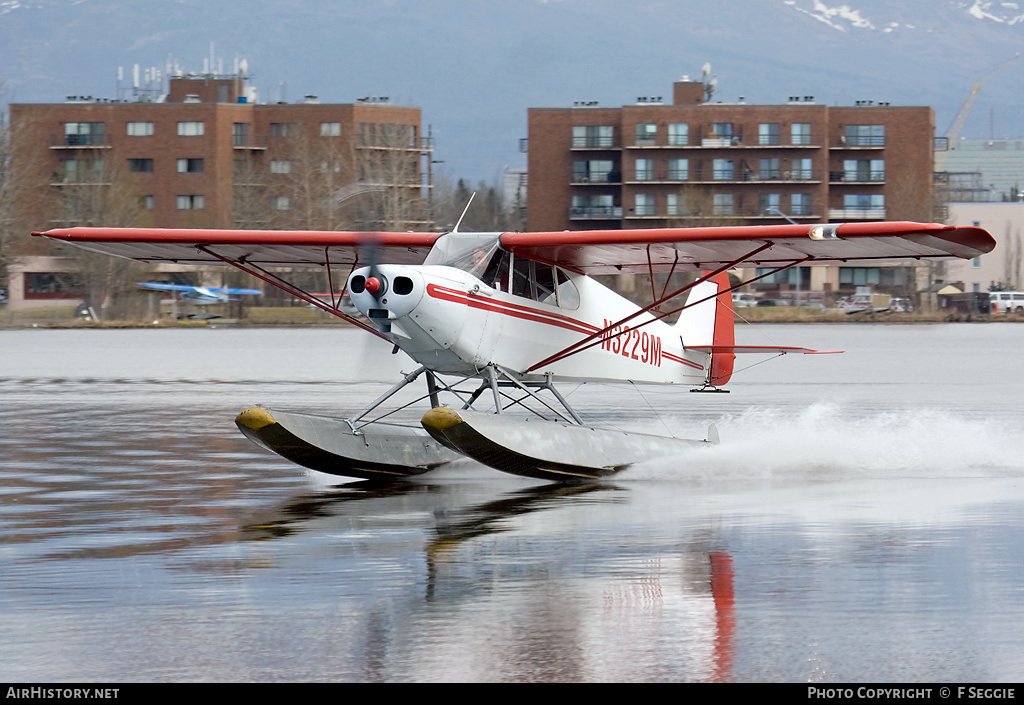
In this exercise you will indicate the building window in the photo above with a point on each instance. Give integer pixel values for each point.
(139, 129)
(722, 130)
(864, 202)
(976, 262)
(140, 166)
(644, 170)
(190, 166)
(678, 169)
(769, 203)
(675, 204)
(863, 170)
(367, 134)
(678, 134)
(280, 166)
(283, 129)
(646, 134)
(800, 204)
(722, 170)
(591, 136)
(644, 204)
(768, 133)
(83, 171)
(146, 202)
(330, 129)
(769, 170)
(190, 203)
(596, 206)
(281, 203)
(800, 133)
(84, 134)
(240, 134)
(723, 204)
(801, 169)
(593, 171)
(191, 129)
(882, 276)
(55, 285)
(864, 135)
(790, 276)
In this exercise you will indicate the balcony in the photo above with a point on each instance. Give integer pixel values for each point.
(843, 214)
(856, 177)
(593, 142)
(79, 142)
(254, 142)
(595, 213)
(606, 177)
(751, 212)
(861, 142)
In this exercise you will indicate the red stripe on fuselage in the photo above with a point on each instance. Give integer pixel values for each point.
(528, 314)
(514, 310)
(681, 360)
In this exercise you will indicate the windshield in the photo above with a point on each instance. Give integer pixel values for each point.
(469, 252)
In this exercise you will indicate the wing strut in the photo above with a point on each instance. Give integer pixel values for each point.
(277, 281)
(596, 338)
(602, 335)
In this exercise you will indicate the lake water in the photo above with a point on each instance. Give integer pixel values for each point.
(862, 520)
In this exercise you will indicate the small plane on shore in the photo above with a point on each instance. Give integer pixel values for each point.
(201, 295)
(514, 314)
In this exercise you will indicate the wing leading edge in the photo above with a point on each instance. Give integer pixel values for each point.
(682, 249)
(266, 248)
(589, 252)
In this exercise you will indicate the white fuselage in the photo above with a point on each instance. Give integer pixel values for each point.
(451, 321)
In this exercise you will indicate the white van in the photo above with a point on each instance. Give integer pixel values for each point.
(743, 300)
(1006, 301)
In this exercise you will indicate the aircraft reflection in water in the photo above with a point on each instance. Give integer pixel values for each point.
(511, 315)
(655, 611)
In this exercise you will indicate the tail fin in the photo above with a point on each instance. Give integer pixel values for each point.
(709, 324)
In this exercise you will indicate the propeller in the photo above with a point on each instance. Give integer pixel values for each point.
(374, 282)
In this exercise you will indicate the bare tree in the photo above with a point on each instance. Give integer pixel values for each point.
(387, 164)
(1012, 261)
(94, 191)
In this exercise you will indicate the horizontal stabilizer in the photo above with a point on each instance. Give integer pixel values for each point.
(781, 349)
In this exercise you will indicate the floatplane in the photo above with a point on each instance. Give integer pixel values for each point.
(201, 295)
(515, 314)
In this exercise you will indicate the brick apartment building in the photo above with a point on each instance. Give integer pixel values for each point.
(205, 155)
(696, 163)
(188, 156)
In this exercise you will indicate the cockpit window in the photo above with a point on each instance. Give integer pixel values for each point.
(479, 255)
(537, 281)
(470, 252)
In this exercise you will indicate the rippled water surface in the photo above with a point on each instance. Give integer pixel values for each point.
(860, 521)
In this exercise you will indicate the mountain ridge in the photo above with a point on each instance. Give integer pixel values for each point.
(474, 69)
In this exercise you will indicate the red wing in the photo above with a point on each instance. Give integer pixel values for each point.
(678, 249)
(265, 248)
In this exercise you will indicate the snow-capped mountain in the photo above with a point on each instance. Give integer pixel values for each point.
(475, 67)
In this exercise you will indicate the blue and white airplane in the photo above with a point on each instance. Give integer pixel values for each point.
(201, 295)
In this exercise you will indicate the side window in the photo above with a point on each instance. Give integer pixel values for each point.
(496, 275)
(568, 295)
(521, 277)
(544, 284)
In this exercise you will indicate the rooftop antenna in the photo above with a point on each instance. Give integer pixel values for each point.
(468, 203)
(710, 82)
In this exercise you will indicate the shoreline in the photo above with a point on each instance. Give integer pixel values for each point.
(308, 318)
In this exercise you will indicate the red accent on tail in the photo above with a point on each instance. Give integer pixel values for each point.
(725, 334)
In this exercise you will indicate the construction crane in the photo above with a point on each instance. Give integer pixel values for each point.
(961, 117)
